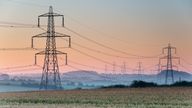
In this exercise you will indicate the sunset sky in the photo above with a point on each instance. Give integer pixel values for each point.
(138, 27)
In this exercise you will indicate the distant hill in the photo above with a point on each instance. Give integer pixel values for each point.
(4, 77)
(83, 76)
(82, 73)
(178, 76)
(175, 73)
(93, 77)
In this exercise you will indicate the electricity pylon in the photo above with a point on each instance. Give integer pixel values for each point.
(169, 65)
(106, 68)
(123, 68)
(114, 68)
(139, 70)
(50, 76)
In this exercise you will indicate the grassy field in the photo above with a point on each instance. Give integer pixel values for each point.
(104, 98)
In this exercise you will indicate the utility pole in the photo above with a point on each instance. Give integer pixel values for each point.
(50, 75)
(169, 62)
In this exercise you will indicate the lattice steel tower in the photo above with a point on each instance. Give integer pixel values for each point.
(169, 64)
(139, 70)
(50, 76)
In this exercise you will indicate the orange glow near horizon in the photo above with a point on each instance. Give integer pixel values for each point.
(141, 31)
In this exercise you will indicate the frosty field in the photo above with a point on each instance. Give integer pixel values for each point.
(104, 98)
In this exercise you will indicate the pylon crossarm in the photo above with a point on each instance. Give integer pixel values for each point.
(174, 49)
(163, 65)
(165, 48)
(63, 36)
(164, 57)
(162, 68)
(175, 57)
(178, 58)
(43, 15)
(60, 34)
(39, 53)
(175, 66)
(57, 15)
(38, 36)
(50, 14)
(59, 52)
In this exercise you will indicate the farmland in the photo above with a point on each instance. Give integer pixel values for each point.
(104, 98)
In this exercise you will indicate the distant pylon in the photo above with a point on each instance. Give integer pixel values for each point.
(50, 76)
(114, 67)
(139, 70)
(123, 68)
(106, 69)
(169, 64)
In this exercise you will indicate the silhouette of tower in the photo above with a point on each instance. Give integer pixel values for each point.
(106, 69)
(169, 62)
(50, 76)
(114, 67)
(123, 68)
(139, 70)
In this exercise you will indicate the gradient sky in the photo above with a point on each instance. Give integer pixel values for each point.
(141, 27)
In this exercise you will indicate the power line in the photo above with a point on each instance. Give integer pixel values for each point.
(186, 61)
(21, 25)
(93, 67)
(6, 24)
(16, 67)
(26, 48)
(91, 56)
(27, 3)
(98, 42)
(15, 23)
(107, 47)
(150, 67)
(16, 49)
(73, 67)
(185, 68)
(107, 54)
(95, 30)
(101, 52)
(21, 70)
(98, 59)
(14, 26)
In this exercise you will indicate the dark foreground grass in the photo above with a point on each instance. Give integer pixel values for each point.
(175, 97)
